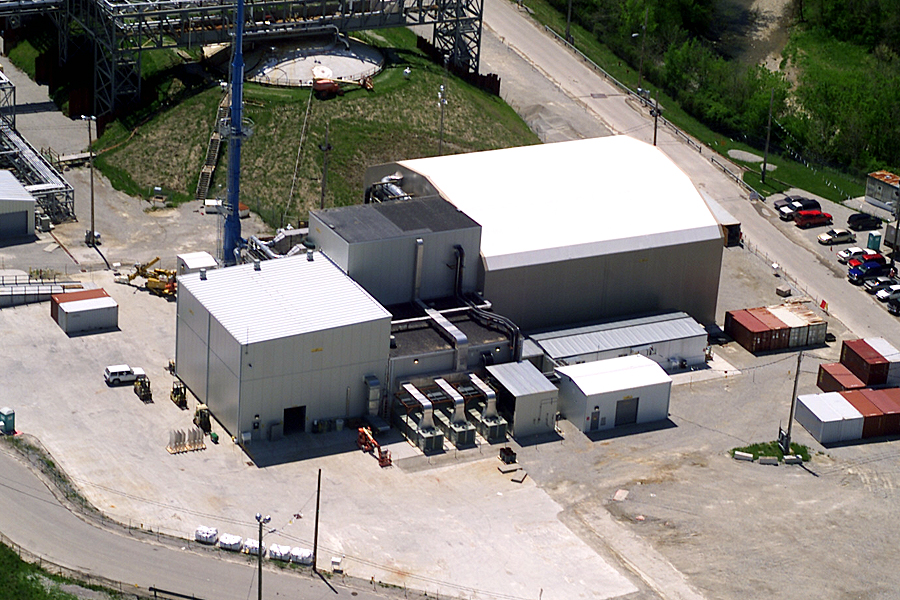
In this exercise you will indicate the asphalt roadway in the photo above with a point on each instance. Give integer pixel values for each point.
(693, 524)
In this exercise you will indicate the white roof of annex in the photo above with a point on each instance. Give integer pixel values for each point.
(286, 297)
(12, 190)
(567, 200)
(615, 374)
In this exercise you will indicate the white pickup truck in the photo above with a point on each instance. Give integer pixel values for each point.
(118, 374)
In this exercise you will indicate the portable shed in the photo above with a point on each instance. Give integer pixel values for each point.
(192, 262)
(526, 398)
(614, 392)
(16, 208)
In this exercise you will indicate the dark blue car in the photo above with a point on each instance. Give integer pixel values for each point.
(859, 274)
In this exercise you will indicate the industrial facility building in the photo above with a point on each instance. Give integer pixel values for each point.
(16, 208)
(594, 229)
(525, 398)
(675, 341)
(271, 347)
(614, 392)
(401, 251)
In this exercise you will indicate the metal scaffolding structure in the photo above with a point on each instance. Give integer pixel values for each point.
(7, 101)
(121, 29)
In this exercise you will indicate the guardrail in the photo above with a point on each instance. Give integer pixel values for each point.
(646, 102)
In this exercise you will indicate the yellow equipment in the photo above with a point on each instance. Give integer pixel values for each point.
(178, 394)
(157, 281)
(201, 417)
(142, 389)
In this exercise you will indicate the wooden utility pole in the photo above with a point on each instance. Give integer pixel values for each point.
(316, 530)
(655, 113)
(325, 148)
(785, 440)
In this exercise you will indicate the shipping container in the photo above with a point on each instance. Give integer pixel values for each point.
(891, 354)
(818, 327)
(865, 362)
(835, 377)
(851, 419)
(818, 418)
(799, 326)
(873, 417)
(781, 333)
(748, 331)
(57, 299)
(888, 402)
(94, 314)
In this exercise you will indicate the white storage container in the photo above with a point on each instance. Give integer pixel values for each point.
(228, 541)
(302, 556)
(279, 552)
(94, 314)
(206, 535)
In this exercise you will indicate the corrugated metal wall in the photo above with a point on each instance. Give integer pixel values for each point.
(683, 278)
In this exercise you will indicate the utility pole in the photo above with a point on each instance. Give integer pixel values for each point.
(325, 148)
(316, 530)
(569, 22)
(784, 438)
(768, 133)
(90, 238)
(259, 551)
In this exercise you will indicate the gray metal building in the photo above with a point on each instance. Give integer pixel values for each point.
(16, 208)
(526, 399)
(614, 392)
(279, 344)
(402, 250)
(574, 232)
(675, 341)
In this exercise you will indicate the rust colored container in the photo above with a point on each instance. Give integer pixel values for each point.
(748, 331)
(781, 331)
(890, 406)
(57, 299)
(835, 377)
(873, 417)
(865, 362)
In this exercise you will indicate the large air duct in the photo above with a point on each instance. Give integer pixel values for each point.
(417, 277)
(426, 422)
(490, 409)
(459, 404)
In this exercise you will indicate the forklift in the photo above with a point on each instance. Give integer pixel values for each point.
(142, 389)
(178, 395)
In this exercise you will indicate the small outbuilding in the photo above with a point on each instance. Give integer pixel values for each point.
(614, 392)
(192, 262)
(526, 398)
(16, 208)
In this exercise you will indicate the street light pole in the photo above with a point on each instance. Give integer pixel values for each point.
(442, 101)
(90, 239)
(643, 42)
(259, 550)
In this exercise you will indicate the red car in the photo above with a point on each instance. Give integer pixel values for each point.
(855, 262)
(811, 218)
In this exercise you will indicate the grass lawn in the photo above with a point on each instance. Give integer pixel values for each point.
(281, 167)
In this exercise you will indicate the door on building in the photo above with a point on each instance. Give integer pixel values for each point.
(294, 420)
(595, 419)
(626, 411)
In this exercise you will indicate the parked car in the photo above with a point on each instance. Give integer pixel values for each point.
(778, 204)
(879, 283)
(786, 213)
(119, 374)
(811, 218)
(870, 270)
(888, 293)
(836, 236)
(894, 306)
(868, 257)
(863, 222)
(853, 252)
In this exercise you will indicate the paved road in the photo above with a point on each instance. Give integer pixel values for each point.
(35, 520)
(621, 114)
